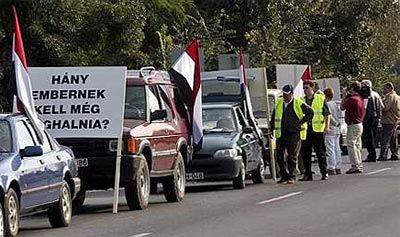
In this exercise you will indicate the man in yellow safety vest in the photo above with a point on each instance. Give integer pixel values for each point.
(315, 132)
(288, 121)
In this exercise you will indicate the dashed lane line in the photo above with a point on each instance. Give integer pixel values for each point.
(141, 235)
(280, 198)
(378, 171)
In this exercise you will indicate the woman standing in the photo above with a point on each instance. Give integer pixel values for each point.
(333, 135)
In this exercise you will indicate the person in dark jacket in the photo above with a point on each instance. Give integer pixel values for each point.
(288, 123)
(373, 105)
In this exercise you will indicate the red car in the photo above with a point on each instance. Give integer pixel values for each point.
(156, 145)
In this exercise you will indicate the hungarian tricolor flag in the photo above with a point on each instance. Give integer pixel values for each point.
(246, 95)
(23, 100)
(186, 74)
(305, 76)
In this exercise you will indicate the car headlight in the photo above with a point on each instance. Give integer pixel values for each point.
(226, 153)
(113, 144)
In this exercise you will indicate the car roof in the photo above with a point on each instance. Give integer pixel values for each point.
(138, 78)
(274, 91)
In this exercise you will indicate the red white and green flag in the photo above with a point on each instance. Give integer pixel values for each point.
(23, 99)
(186, 74)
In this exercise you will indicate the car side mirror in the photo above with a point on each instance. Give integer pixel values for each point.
(31, 151)
(248, 130)
(158, 115)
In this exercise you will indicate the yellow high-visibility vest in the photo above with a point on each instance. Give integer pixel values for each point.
(318, 120)
(278, 117)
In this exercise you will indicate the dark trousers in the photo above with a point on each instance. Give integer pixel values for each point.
(316, 140)
(389, 137)
(370, 126)
(291, 144)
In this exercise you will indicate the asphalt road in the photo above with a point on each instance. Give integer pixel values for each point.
(365, 204)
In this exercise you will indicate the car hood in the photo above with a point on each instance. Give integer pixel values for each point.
(218, 141)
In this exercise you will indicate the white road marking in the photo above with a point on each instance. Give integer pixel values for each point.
(279, 198)
(378, 171)
(141, 235)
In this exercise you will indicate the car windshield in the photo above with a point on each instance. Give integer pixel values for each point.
(135, 103)
(219, 121)
(5, 137)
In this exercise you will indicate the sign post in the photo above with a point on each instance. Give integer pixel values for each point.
(271, 140)
(117, 176)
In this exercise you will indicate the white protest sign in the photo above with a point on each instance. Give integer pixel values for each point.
(80, 101)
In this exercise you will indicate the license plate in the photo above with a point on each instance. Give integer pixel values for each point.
(83, 162)
(195, 176)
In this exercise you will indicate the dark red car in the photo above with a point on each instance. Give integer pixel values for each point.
(156, 145)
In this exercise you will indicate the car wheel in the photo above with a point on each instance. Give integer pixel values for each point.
(174, 186)
(2, 231)
(258, 175)
(11, 213)
(240, 181)
(137, 192)
(60, 214)
(79, 199)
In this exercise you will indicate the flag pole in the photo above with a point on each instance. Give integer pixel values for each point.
(270, 139)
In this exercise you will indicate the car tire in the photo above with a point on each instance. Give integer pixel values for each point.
(61, 213)
(79, 199)
(240, 181)
(258, 175)
(2, 219)
(11, 213)
(174, 186)
(137, 191)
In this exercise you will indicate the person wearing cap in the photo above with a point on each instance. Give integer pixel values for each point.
(315, 132)
(288, 123)
(373, 112)
(390, 119)
(353, 104)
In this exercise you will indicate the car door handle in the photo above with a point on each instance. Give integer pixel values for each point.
(166, 131)
(41, 161)
(58, 158)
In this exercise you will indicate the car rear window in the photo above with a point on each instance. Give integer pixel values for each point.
(5, 136)
(135, 103)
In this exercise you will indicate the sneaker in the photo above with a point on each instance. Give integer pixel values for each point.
(338, 171)
(394, 158)
(324, 177)
(306, 178)
(382, 159)
(331, 172)
(290, 181)
(354, 171)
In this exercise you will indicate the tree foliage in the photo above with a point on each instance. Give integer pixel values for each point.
(339, 38)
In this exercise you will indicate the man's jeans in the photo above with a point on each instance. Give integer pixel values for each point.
(354, 144)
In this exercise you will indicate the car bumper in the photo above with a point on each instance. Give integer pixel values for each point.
(213, 169)
(100, 172)
(77, 186)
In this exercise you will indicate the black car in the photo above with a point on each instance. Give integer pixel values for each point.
(231, 149)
